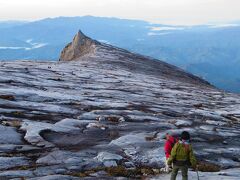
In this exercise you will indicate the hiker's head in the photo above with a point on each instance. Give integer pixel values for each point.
(185, 135)
(168, 135)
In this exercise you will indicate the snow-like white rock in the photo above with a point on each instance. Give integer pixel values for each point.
(183, 123)
(106, 156)
(129, 139)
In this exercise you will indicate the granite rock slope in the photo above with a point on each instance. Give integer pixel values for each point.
(102, 106)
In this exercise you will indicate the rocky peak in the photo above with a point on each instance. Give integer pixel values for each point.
(80, 46)
(83, 48)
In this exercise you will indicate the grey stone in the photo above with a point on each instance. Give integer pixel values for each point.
(129, 164)
(74, 168)
(110, 163)
(60, 171)
(10, 162)
(17, 173)
(106, 156)
(89, 165)
(9, 135)
(99, 174)
(55, 177)
(46, 170)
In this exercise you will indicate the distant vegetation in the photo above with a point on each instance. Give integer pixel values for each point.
(209, 51)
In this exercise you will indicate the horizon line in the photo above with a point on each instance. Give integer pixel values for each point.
(113, 17)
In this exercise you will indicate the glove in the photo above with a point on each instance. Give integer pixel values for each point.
(169, 163)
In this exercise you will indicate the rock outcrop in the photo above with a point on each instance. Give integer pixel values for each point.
(80, 46)
(103, 107)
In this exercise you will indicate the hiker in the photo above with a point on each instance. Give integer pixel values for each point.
(170, 141)
(182, 156)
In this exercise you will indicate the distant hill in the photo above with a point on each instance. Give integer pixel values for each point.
(209, 51)
(8, 24)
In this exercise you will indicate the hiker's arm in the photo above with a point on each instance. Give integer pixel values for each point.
(192, 158)
(173, 155)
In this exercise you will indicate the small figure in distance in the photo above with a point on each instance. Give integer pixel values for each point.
(182, 157)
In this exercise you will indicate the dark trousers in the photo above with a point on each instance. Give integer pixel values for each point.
(175, 170)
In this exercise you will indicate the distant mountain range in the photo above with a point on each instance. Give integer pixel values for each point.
(209, 51)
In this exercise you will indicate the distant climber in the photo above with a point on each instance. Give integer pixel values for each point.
(182, 156)
(170, 142)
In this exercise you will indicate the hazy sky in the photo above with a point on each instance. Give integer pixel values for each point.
(159, 11)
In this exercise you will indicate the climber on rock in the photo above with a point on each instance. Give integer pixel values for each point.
(170, 142)
(182, 156)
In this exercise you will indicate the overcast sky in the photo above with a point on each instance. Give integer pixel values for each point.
(157, 11)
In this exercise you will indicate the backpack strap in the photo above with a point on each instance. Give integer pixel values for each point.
(174, 142)
(177, 144)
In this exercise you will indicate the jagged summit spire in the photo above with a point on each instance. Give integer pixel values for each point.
(80, 37)
(80, 46)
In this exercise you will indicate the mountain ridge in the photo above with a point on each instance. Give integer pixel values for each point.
(83, 47)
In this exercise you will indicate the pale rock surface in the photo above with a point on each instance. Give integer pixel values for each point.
(109, 100)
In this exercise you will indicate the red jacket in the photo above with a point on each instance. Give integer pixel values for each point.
(169, 145)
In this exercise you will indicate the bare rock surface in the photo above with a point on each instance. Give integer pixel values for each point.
(55, 177)
(9, 135)
(10, 162)
(108, 107)
(230, 174)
